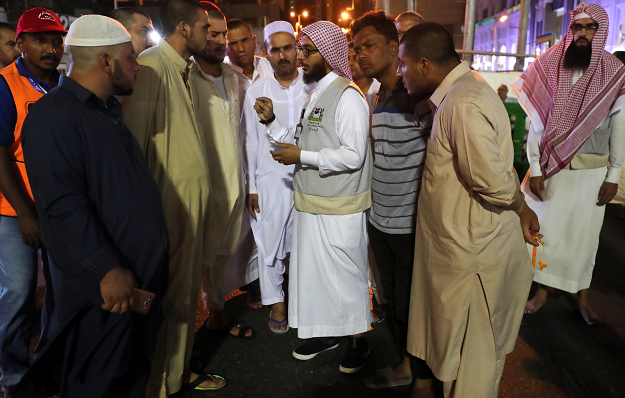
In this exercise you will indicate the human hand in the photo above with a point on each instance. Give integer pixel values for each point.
(289, 155)
(537, 186)
(607, 192)
(117, 290)
(30, 229)
(252, 204)
(529, 224)
(264, 108)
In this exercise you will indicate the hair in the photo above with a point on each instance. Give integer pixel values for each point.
(411, 14)
(350, 44)
(432, 41)
(173, 12)
(238, 23)
(7, 26)
(383, 24)
(503, 86)
(620, 55)
(83, 58)
(126, 16)
(214, 13)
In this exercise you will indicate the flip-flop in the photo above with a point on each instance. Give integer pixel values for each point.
(195, 384)
(279, 325)
(225, 331)
(385, 378)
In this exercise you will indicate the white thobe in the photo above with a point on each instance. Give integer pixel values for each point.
(262, 69)
(271, 181)
(328, 289)
(569, 218)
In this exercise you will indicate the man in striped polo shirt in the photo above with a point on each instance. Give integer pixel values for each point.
(401, 125)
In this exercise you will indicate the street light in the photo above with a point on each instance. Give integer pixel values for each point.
(345, 15)
(502, 19)
(299, 18)
(305, 14)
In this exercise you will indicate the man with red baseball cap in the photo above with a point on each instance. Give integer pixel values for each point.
(40, 41)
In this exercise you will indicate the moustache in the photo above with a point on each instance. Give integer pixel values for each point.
(48, 58)
(284, 63)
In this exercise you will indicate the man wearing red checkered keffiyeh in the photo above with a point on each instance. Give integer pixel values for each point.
(574, 95)
(328, 289)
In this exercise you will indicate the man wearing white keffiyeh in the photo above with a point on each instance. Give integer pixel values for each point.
(328, 291)
(574, 94)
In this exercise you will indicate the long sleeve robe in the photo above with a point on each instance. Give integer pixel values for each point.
(160, 115)
(471, 266)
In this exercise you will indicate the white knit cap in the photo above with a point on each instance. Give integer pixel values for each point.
(278, 26)
(96, 31)
(581, 15)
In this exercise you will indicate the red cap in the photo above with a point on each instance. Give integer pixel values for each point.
(208, 6)
(38, 20)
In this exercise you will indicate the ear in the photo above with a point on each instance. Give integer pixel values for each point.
(255, 41)
(20, 44)
(184, 28)
(424, 67)
(106, 63)
(394, 48)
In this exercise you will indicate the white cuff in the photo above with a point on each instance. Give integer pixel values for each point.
(275, 128)
(535, 170)
(614, 175)
(309, 158)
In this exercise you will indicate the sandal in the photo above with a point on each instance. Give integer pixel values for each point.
(385, 378)
(195, 384)
(225, 331)
(254, 301)
(279, 325)
(381, 316)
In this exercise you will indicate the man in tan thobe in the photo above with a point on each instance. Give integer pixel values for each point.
(472, 272)
(216, 88)
(160, 115)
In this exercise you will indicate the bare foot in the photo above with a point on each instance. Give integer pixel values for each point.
(539, 299)
(254, 300)
(278, 312)
(583, 304)
(423, 388)
(189, 376)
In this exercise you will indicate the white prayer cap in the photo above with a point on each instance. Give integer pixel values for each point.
(581, 15)
(96, 31)
(278, 26)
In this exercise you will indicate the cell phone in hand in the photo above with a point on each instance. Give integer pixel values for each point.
(143, 301)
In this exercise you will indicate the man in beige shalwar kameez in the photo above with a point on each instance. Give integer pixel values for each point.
(472, 272)
(160, 115)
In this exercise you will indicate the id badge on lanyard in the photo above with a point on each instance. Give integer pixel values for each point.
(37, 87)
(299, 128)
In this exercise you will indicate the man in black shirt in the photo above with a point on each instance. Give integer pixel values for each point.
(102, 222)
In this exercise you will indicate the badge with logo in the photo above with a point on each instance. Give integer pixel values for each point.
(316, 115)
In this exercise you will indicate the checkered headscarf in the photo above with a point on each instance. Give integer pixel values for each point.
(569, 115)
(332, 44)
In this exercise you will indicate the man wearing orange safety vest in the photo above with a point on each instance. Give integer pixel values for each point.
(40, 41)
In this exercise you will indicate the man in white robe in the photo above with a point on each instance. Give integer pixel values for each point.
(576, 149)
(270, 184)
(328, 290)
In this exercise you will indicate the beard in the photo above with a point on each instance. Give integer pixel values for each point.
(121, 84)
(210, 57)
(194, 45)
(316, 73)
(578, 56)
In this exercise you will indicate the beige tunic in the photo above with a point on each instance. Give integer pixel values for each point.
(471, 264)
(219, 120)
(160, 115)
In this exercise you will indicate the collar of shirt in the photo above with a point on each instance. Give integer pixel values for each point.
(293, 83)
(173, 55)
(448, 81)
(225, 70)
(398, 90)
(85, 96)
(239, 70)
(21, 68)
(326, 81)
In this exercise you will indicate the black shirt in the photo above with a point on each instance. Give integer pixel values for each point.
(97, 202)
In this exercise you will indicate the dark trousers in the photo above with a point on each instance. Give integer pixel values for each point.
(394, 256)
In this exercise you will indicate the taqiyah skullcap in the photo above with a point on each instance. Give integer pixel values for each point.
(277, 27)
(96, 31)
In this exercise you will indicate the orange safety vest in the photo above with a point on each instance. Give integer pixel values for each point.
(24, 95)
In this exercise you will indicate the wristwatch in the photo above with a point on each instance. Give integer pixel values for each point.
(268, 121)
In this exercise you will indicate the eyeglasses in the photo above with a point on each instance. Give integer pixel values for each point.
(590, 28)
(306, 51)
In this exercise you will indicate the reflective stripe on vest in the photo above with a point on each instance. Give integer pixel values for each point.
(24, 95)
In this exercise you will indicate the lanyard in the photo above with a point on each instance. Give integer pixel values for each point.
(37, 86)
